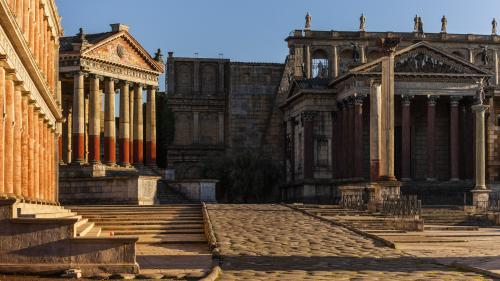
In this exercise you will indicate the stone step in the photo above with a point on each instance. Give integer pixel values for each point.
(151, 227)
(194, 212)
(84, 229)
(167, 233)
(48, 215)
(173, 239)
(81, 222)
(94, 232)
(449, 228)
(149, 223)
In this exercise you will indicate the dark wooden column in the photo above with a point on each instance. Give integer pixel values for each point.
(308, 121)
(350, 144)
(431, 137)
(454, 138)
(358, 136)
(406, 137)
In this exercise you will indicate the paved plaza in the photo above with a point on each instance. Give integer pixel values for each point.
(274, 242)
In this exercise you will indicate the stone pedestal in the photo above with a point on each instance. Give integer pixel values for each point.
(480, 199)
(378, 191)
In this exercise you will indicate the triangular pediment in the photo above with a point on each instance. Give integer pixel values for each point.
(423, 58)
(123, 49)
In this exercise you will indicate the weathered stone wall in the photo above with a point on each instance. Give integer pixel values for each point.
(250, 103)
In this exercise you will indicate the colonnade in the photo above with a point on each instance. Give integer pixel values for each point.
(33, 20)
(132, 144)
(28, 155)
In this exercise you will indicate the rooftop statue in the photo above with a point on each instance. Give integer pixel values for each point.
(444, 23)
(308, 21)
(494, 27)
(362, 23)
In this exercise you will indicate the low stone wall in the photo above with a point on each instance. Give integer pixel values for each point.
(133, 189)
(196, 190)
(317, 193)
(47, 246)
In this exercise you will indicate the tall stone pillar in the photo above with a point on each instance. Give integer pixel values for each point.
(480, 191)
(78, 119)
(406, 138)
(31, 149)
(387, 119)
(131, 121)
(2, 128)
(151, 127)
(124, 137)
(454, 138)
(344, 139)
(41, 153)
(25, 147)
(221, 127)
(358, 136)
(307, 60)
(9, 136)
(350, 158)
(18, 123)
(335, 62)
(375, 108)
(138, 127)
(94, 121)
(431, 135)
(109, 123)
(308, 119)
(36, 153)
(196, 127)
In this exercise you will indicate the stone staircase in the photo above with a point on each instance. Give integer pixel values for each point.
(171, 237)
(451, 218)
(167, 195)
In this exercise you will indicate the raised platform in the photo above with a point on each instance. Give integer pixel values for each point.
(48, 239)
(101, 184)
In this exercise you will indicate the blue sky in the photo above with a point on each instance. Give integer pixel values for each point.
(254, 30)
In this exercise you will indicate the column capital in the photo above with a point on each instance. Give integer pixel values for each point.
(479, 107)
(432, 100)
(111, 79)
(375, 82)
(406, 99)
(125, 83)
(308, 116)
(455, 100)
(78, 72)
(358, 99)
(96, 76)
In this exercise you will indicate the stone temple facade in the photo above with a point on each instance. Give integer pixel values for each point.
(323, 113)
(108, 152)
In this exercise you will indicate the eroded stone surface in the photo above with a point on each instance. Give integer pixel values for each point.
(273, 242)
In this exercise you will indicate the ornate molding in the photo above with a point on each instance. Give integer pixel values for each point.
(110, 69)
(308, 116)
(455, 100)
(432, 100)
(406, 99)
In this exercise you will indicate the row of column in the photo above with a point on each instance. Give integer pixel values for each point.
(431, 138)
(28, 153)
(130, 138)
(348, 138)
(34, 24)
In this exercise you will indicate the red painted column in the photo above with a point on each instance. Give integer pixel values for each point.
(109, 123)
(124, 137)
(454, 139)
(78, 130)
(138, 127)
(431, 135)
(18, 123)
(358, 136)
(406, 138)
(151, 127)
(308, 119)
(94, 121)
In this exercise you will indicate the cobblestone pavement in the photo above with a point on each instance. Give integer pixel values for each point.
(273, 242)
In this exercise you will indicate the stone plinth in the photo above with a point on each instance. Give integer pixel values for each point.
(378, 191)
(196, 190)
(480, 199)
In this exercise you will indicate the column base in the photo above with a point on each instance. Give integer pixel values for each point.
(480, 198)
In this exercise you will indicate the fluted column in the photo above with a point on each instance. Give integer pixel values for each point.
(151, 127)
(25, 147)
(431, 135)
(94, 121)
(124, 137)
(18, 123)
(32, 24)
(2, 128)
(131, 123)
(454, 139)
(36, 153)
(78, 130)
(375, 130)
(358, 136)
(138, 127)
(26, 19)
(40, 164)
(9, 136)
(31, 150)
(406, 138)
(109, 123)
(308, 144)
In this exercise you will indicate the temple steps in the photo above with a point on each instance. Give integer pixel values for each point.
(84, 228)
(151, 227)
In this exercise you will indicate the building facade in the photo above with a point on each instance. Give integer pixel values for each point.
(30, 100)
(320, 112)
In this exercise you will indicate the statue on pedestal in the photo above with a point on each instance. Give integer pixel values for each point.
(308, 21)
(484, 55)
(444, 23)
(494, 27)
(362, 23)
(415, 24)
